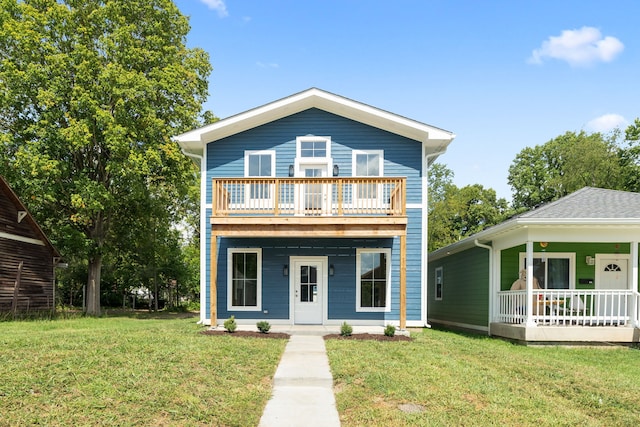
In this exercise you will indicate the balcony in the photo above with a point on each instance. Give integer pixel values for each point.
(319, 207)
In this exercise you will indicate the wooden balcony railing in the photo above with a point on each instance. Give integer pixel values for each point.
(309, 196)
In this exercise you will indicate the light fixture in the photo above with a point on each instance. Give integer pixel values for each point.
(285, 270)
(291, 170)
(331, 270)
(336, 170)
(589, 260)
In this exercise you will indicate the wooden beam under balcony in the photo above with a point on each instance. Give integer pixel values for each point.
(242, 226)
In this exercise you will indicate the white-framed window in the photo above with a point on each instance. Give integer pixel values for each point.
(373, 279)
(244, 279)
(259, 164)
(553, 270)
(313, 148)
(439, 283)
(368, 163)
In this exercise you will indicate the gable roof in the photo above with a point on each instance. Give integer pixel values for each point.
(193, 142)
(586, 207)
(11, 195)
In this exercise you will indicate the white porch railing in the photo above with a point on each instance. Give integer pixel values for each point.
(571, 307)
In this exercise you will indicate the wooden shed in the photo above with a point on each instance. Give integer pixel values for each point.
(27, 258)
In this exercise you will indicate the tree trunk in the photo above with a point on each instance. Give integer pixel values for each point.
(93, 286)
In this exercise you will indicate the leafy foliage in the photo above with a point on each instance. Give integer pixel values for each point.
(230, 324)
(390, 330)
(563, 165)
(92, 89)
(456, 213)
(263, 326)
(346, 330)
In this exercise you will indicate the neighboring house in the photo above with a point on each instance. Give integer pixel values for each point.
(582, 250)
(27, 258)
(314, 212)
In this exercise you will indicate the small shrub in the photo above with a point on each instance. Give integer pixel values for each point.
(346, 330)
(263, 326)
(230, 324)
(390, 330)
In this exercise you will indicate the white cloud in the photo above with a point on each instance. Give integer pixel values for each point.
(606, 123)
(581, 47)
(217, 5)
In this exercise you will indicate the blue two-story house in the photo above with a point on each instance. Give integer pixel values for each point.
(314, 211)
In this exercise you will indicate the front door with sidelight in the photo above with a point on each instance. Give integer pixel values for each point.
(308, 287)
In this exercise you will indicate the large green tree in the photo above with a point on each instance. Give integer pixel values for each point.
(563, 165)
(456, 213)
(90, 92)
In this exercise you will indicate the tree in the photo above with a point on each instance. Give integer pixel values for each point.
(563, 165)
(92, 90)
(630, 158)
(456, 213)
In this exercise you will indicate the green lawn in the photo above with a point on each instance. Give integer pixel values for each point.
(131, 371)
(454, 379)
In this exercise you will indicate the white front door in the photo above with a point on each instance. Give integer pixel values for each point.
(612, 274)
(308, 288)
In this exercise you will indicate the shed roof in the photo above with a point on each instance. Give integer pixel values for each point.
(6, 189)
(193, 142)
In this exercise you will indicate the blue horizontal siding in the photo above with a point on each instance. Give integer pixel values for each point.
(402, 157)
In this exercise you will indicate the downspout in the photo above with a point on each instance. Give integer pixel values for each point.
(203, 227)
(491, 299)
(425, 230)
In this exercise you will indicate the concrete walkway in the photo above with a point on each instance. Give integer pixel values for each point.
(302, 386)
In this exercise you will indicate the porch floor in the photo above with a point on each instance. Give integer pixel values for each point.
(566, 333)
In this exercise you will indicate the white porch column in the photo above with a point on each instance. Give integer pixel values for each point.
(635, 322)
(529, 323)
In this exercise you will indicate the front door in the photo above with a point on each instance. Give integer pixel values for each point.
(308, 288)
(612, 274)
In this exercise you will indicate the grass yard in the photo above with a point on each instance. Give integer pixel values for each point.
(444, 378)
(131, 371)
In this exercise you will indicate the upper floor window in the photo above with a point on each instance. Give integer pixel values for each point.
(259, 164)
(367, 163)
(313, 147)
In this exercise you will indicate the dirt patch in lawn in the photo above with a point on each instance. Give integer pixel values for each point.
(371, 337)
(249, 334)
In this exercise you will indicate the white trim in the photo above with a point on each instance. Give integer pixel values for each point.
(230, 306)
(435, 283)
(324, 162)
(598, 268)
(387, 307)
(571, 256)
(249, 153)
(354, 163)
(324, 283)
(22, 239)
(414, 205)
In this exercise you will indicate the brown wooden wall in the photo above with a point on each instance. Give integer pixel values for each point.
(35, 292)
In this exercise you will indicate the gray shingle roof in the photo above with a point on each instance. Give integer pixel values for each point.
(590, 203)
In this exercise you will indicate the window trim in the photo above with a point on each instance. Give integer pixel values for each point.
(571, 256)
(354, 163)
(249, 153)
(324, 162)
(438, 281)
(387, 307)
(230, 306)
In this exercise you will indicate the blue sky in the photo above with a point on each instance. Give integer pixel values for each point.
(502, 75)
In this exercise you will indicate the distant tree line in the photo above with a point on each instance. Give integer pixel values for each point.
(537, 175)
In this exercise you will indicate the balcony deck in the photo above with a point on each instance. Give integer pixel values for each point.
(320, 207)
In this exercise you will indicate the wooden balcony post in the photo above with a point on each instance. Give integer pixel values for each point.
(213, 280)
(403, 281)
